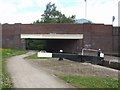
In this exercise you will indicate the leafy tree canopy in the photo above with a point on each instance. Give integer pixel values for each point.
(51, 15)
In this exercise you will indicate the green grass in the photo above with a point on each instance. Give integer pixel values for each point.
(0, 69)
(6, 53)
(90, 82)
(34, 56)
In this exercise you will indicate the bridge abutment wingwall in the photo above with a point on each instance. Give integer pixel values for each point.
(95, 36)
(11, 36)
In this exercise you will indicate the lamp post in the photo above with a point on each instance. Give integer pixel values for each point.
(85, 9)
(113, 18)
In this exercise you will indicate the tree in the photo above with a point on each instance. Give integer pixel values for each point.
(51, 15)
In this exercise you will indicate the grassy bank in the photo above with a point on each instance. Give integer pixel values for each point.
(90, 82)
(34, 56)
(6, 53)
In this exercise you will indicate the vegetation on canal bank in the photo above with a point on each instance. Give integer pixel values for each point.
(4, 55)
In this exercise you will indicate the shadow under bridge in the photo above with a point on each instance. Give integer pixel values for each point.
(53, 42)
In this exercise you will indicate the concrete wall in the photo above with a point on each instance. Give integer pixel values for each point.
(95, 36)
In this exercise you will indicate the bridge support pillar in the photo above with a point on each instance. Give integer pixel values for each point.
(23, 44)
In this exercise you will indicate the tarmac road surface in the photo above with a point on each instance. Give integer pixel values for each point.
(24, 75)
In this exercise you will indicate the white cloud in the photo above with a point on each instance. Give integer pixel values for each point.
(98, 11)
(6, 7)
(24, 3)
(43, 3)
(21, 18)
(102, 13)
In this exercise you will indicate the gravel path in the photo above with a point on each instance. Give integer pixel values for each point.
(24, 75)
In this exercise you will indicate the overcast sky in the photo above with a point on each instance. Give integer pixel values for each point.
(27, 11)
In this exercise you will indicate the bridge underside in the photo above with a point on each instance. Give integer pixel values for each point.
(54, 42)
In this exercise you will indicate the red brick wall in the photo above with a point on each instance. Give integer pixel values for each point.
(95, 35)
(98, 36)
(52, 28)
(102, 37)
(116, 39)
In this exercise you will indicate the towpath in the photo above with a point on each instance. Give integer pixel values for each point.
(24, 75)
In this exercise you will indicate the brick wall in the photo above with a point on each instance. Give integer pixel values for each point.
(116, 39)
(95, 36)
(102, 37)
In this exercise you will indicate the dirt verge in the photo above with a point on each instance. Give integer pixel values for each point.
(67, 67)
